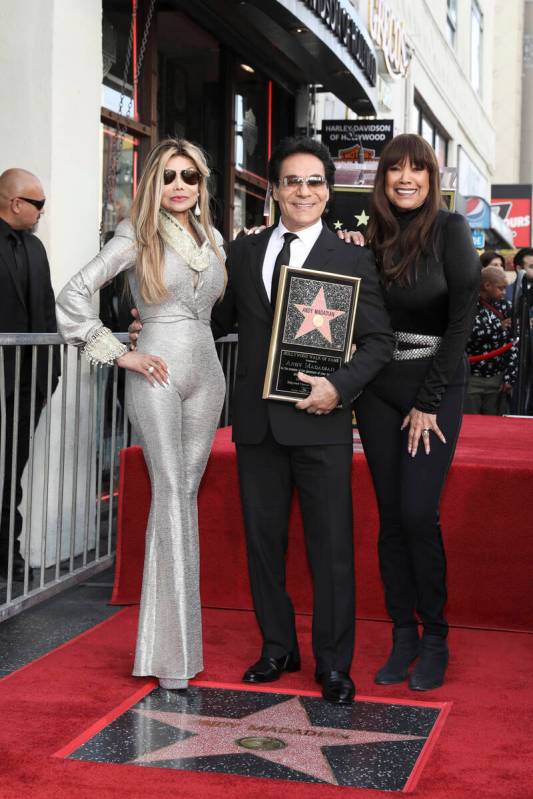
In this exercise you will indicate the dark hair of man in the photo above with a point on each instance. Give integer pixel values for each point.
(518, 260)
(489, 255)
(293, 145)
(397, 252)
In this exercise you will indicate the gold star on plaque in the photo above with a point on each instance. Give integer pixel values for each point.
(337, 225)
(362, 218)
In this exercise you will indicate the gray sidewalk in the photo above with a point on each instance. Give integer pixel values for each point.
(38, 630)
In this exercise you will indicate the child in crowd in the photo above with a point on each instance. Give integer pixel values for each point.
(491, 380)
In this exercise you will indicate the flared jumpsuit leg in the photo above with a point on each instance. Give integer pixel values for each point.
(177, 426)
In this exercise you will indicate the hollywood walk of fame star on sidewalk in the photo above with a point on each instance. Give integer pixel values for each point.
(287, 722)
(317, 316)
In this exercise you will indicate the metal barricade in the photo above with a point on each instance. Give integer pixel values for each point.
(228, 350)
(70, 481)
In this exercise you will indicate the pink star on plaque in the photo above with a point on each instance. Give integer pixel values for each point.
(295, 742)
(317, 317)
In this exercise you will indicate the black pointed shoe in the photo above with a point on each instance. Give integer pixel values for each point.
(405, 649)
(430, 670)
(269, 669)
(337, 687)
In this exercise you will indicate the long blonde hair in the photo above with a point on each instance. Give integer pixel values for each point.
(145, 215)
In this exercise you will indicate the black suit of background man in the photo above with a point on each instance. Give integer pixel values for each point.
(280, 447)
(27, 305)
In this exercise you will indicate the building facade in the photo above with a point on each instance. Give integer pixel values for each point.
(235, 77)
(435, 78)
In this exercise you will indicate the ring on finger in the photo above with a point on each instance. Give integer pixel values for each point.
(150, 370)
(425, 432)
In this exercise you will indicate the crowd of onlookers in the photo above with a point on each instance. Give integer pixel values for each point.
(496, 330)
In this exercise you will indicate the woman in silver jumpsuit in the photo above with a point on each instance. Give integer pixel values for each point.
(174, 388)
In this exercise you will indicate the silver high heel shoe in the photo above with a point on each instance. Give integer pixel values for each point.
(173, 685)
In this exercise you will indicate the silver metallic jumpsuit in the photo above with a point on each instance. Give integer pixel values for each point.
(176, 426)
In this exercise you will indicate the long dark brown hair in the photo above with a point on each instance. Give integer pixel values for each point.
(397, 251)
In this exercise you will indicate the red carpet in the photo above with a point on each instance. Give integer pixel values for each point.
(484, 749)
(487, 517)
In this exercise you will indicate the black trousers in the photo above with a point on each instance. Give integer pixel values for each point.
(411, 551)
(22, 450)
(268, 474)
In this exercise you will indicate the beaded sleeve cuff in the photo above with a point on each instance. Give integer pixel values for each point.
(103, 348)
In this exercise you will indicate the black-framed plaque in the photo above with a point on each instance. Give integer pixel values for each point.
(313, 329)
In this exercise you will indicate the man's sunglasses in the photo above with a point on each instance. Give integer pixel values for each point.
(312, 182)
(39, 204)
(189, 176)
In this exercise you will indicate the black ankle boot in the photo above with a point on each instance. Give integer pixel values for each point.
(405, 646)
(430, 670)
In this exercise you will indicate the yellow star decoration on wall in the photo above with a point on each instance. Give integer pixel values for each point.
(362, 218)
(337, 225)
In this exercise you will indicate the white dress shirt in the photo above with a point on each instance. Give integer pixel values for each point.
(300, 249)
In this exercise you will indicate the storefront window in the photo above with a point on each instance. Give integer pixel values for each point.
(117, 94)
(441, 147)
(123, 132)
(428, 127)
(252, 133)
(248, 207)
(251, 120)
(426, 130)
(118, 191)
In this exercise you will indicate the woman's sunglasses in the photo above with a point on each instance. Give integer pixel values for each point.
(189, 176)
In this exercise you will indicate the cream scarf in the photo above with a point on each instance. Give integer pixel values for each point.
(195, 255)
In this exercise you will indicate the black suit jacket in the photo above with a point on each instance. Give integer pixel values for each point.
(35, 316)
(246, 302)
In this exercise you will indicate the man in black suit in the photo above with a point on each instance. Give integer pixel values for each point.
(308, 446)
(27, 305)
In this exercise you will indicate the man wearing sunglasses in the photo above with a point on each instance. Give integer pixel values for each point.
(280, 446)
(27, 305)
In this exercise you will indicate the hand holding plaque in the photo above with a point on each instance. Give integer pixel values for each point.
(323, 397)
(313, 329)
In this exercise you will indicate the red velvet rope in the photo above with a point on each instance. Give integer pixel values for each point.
(485, 356)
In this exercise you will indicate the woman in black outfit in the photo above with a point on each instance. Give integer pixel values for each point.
(410, 415)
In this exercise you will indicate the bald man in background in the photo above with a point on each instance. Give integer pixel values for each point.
(27, 305)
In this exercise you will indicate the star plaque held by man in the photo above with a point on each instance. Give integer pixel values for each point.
(313, 329)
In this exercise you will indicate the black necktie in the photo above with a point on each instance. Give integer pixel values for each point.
(19, 256)
(284, 257)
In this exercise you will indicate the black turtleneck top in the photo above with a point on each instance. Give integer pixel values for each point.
(440, 301)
